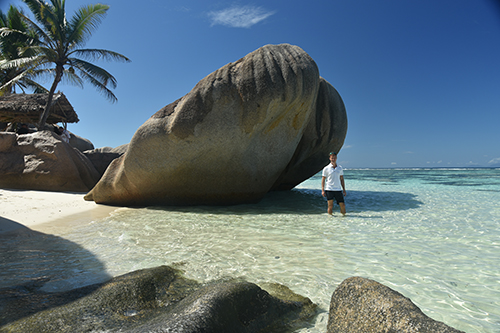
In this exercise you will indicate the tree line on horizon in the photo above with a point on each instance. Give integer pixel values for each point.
(52, 46)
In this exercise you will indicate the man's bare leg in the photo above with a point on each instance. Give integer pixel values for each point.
(330, 207)
(342, 208)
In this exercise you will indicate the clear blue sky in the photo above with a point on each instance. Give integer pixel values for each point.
(420, 78)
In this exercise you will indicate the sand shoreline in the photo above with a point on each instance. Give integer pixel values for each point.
(20, 209)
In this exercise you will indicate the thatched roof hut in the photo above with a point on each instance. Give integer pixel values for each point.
(27, 108)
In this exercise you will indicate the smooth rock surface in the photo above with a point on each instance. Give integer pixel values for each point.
(80, 143)
(231, 138)
(157, 299)
(41, 161)
(363, 305)
(101, 158)
(325, 132)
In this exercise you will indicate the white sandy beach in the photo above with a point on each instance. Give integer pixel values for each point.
(32, 209)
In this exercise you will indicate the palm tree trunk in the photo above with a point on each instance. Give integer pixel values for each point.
(48, 106)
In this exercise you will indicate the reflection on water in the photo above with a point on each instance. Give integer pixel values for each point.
(411, 230)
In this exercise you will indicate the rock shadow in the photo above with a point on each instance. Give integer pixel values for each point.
(356, 201)
(35, 265)
(310, 201)
(381, 201)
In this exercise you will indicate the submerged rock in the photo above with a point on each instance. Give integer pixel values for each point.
(41, 161)
(239, 133)
(363, 305)
(161, 300)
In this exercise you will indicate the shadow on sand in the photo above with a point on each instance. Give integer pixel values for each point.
(35, 264)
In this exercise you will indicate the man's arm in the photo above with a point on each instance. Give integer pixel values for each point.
(323, 186)
(343, 184)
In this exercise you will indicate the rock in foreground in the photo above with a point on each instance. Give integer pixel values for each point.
(234, 137)
(364, 305)
(161, 300)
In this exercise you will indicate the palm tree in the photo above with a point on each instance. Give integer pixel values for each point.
(59, 43)
(10, 53)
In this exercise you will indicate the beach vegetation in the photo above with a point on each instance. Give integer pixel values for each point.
(13, 53)
(57, 48)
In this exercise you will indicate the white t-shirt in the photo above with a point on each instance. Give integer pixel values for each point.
(332, 177)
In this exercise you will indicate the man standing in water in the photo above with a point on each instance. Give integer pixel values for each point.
(332, 184)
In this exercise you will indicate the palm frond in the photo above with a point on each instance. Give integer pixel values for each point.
(97, 73)
(100, 87)
(42, 74)
(41, 36)
(35, 86)
(71, 78)
(48, 53)
(43, 14)
(98, 54)
(85, 21)
(25, 62)
(16, 79)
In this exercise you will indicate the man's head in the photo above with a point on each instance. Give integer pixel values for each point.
(333, 158)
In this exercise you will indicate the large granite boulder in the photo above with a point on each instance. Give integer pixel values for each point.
(80, 143)
(41, 161)
(152, 300)
(230, 140)
(102, 157)
(325, 132)
(363, 305)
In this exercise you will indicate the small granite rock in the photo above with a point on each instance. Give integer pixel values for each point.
(363, 305)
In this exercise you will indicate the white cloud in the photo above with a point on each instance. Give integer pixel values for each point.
(239, 16)
(495, 161)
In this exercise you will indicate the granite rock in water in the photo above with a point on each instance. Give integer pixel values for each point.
(41, 161)
(161, 300)
(233, 137)
(363, 305)
(324, 133)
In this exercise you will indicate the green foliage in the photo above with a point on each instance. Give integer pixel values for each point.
(15, 36)
(54, 45)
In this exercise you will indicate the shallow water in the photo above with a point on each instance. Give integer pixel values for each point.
(431, 234)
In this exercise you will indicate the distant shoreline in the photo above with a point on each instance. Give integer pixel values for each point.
(425, 168)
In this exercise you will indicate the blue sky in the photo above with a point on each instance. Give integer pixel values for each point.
(420, 78)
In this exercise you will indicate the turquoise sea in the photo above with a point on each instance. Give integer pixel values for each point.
(431, 234)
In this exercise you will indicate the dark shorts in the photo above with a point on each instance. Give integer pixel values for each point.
(337, 195)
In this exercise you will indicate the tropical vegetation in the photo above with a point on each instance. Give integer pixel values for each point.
(54, 45)
(15, 75)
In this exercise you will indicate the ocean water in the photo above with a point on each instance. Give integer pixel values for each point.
(431, 234)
